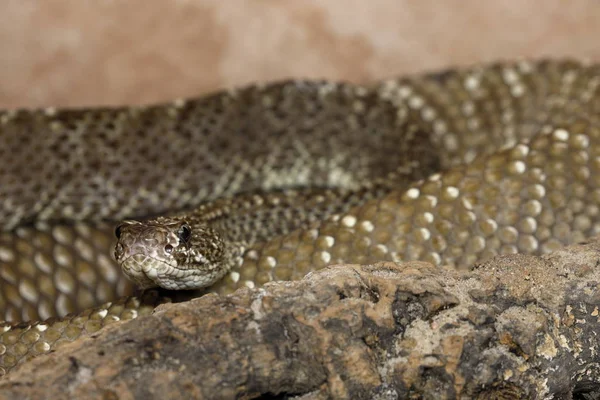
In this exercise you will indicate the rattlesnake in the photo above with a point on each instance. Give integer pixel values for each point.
(273, 181)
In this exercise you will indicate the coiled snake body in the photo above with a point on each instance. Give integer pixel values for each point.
(451, 168)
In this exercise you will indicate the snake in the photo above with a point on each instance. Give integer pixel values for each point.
(271, 181)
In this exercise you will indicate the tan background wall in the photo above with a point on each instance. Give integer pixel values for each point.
(84, 52)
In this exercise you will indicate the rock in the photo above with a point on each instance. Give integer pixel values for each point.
(514, 327)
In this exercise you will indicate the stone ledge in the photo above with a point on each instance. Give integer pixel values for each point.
(515, 327)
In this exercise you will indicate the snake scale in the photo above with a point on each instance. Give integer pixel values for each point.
(272, 181)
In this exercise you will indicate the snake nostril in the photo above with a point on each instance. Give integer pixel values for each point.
(168, 249)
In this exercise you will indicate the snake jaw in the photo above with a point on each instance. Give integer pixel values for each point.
(142, 270)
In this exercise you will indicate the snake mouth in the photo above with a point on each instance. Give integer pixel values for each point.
(150, 272)
(147, 271)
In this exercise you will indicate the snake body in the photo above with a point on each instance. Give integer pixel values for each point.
(280, 179)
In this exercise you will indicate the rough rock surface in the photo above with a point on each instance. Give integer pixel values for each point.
(515, 327)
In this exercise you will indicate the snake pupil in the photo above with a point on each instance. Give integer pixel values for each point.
(168, 249)
(184, 233)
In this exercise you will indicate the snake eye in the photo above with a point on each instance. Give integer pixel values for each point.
(184, 233)
(118, 231)
(168, 249)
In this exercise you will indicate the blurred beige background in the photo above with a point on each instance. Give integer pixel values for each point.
(91, 52)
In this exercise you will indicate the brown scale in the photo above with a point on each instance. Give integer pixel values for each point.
(515, 144)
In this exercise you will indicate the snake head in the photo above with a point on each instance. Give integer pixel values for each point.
(169, 253)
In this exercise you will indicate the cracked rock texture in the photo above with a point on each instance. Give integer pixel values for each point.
(515, 327)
